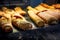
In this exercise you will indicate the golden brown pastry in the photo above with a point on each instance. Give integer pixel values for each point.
(53, 12)
(44, 15)
(19, 21)
(19, 10)
(47, 6)
(40, 8)
(32, 9)
(39, 22)
(57, 6)
(49, 19)
(5, 23)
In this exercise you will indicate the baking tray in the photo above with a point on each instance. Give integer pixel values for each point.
(51, 32)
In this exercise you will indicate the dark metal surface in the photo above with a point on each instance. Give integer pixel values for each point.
(49, 33)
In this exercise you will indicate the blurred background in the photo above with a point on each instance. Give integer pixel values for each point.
(33, 3)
